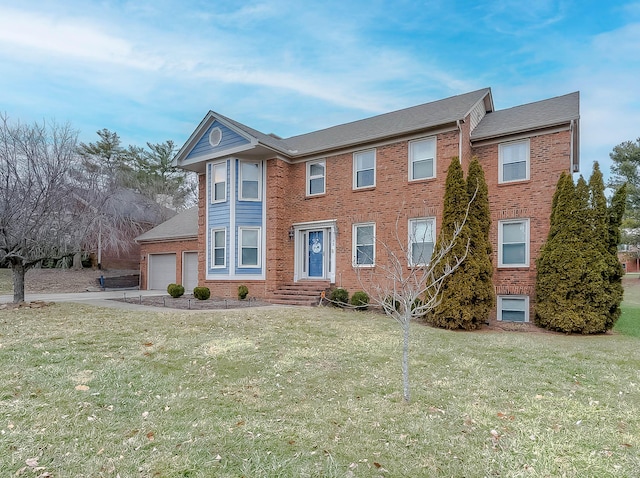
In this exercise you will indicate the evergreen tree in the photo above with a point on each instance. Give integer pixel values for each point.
(573, 287)
(479, 219)
(615, 215)
(455, 310)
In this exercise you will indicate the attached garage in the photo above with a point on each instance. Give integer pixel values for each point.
(168, 253)
(162, 271)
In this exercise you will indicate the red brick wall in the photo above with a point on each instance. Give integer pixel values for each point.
(550, 155)
(393, 201)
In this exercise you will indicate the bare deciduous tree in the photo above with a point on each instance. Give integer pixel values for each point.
(406, 281)
(39, 219)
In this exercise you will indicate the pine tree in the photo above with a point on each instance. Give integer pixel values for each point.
(479, 219)
(457, 294)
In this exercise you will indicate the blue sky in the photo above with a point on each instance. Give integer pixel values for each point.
(151, 70)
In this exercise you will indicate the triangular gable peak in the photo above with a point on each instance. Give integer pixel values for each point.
(213, 138)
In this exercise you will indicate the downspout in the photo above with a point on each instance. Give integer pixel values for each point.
(574, 169)
(459, 141)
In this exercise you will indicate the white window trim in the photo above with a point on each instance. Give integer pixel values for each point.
(411, 239)
(411, 160)
(241, 193)
(526, 243)
(501, 180)
(213, 265)
(258, 246)
(526, 306)
(354, 249)
(355, 170)
(213, 183)
(310, 177)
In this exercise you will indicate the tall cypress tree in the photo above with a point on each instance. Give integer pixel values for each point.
(454, 310)
(483, 294)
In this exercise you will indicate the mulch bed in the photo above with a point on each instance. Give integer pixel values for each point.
(188, 302)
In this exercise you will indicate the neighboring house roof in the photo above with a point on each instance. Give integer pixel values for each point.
(137, 207)
(541, 114)
(183, 225)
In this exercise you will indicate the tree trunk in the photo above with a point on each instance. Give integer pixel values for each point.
(405, 358)
(18, 282)
(77, 261)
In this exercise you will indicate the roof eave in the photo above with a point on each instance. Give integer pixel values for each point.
(166, 239)
(363, 144)
(564, 123)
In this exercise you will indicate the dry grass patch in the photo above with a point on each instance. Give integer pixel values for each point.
(307, 392)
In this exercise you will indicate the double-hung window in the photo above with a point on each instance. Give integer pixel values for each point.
(513, 308)
(219, 182)
(249, 246)
(218, 248)
(316, 177)
(250, 180)
(422, 159)
(421, 240)
(513, 160)
(364, 169)
(364, 250)
(513, 243)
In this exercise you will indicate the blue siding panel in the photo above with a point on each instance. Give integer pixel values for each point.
(230, 140)
(219, 217)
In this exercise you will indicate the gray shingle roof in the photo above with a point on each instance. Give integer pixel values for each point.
(404, 121)
(541, 114)
(182, 225)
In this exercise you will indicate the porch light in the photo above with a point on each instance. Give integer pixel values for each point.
(292, 232)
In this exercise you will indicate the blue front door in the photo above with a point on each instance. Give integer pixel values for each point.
(316, 253)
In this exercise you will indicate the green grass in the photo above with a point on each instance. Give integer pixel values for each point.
(629, 321)
(307, 393)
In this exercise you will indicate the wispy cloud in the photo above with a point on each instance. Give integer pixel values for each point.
(147, 67)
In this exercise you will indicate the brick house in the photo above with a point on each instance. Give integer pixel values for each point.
(295, 215)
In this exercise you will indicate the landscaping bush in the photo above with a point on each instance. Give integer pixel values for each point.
(175, 290)
(360, 300)
(339, 296)
(201, 293)
(243, 290)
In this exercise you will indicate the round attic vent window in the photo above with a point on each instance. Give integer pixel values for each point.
(215, 136)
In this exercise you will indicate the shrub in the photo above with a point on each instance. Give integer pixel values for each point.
(360, 300)
(201, 293)
(243, 290)
(175, 290)
(339, 296)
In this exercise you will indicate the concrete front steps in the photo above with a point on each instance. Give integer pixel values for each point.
(300, 293)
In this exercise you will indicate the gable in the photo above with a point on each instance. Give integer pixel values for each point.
(217, 139)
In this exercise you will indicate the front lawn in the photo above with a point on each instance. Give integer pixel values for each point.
(307, 393)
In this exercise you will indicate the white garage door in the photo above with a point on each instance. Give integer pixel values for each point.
(162, 271)
(190, 270)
